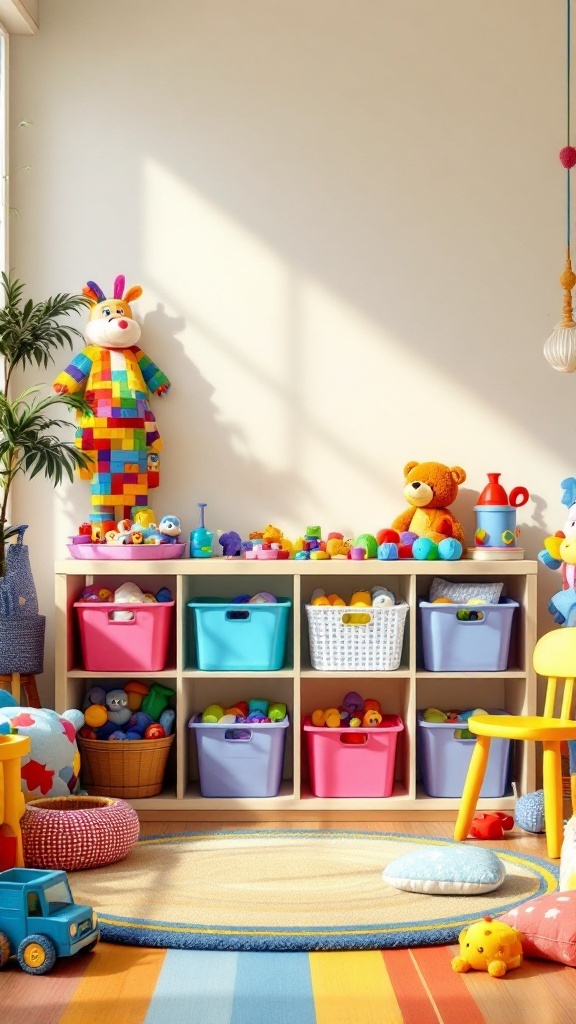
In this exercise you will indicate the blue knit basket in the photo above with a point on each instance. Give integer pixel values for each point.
(529, 813)
(22, 629)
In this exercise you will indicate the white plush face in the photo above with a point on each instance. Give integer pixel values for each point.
(111, 325)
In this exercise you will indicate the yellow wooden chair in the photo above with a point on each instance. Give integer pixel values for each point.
(554, 658)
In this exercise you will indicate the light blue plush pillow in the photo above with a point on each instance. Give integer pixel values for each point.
(462, 870)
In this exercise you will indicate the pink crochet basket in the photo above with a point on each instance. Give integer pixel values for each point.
(77, 832)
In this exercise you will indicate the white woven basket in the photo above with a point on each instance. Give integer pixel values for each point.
(358, 639)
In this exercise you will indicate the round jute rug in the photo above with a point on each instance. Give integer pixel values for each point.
(286, 890)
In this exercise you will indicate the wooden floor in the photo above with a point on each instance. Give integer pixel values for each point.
(541, 991)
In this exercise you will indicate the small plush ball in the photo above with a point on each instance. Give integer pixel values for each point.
(425, 549)
(213, 713)
(353, 701)
(332, 718)
(388, 536)
(154, 732)
(371, 704)
(105, 731)
(372, 718)
(387, 552)
(95, 715)
(529, 813)
(368, 542)
(96, 695)
(317, 717)
(568, 157)
(7, 700)
(449, 549)
(405, 551)
(434, 715)
(117, 735)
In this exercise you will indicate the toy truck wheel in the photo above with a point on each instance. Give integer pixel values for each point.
(4, 949)
(36, 954)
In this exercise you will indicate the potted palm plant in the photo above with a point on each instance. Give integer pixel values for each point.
(30, 442)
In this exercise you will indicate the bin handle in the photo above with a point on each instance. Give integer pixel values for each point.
(362, 618)
(242, 615)
(127, 618)
(362, 735)
(238, 735)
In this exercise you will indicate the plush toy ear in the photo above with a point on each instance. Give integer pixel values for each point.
(90, 293)
(462, 935)
(119, 283)
(133, 293)
(458, 474)
(94, 290)
(408, 468)
(569, 487)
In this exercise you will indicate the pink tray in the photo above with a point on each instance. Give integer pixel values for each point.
(126, 552)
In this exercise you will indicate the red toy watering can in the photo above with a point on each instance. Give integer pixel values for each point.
(494, 493)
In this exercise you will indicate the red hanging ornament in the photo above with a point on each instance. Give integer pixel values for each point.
(568, 157)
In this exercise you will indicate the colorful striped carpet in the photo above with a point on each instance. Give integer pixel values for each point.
(130, 985)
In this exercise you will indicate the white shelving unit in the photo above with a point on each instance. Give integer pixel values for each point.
(302, 688)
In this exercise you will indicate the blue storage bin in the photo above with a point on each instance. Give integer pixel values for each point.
(240, 760)
(450, 644)
(239, 637)
(443, 760)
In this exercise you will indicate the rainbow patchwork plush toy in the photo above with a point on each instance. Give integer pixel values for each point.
(120, 433)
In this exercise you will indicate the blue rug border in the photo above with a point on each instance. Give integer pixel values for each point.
(129, 931)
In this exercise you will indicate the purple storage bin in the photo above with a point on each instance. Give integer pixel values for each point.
(450, 644)
(242, 760)
(444, 760)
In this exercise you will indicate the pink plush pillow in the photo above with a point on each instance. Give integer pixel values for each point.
(548, 926)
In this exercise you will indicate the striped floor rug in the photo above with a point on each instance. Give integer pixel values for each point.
(133, 985)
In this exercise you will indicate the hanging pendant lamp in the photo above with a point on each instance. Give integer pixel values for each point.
(560, 348)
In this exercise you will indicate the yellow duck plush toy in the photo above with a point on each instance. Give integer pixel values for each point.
(489, 945)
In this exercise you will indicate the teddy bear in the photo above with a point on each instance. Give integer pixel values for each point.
(429, 488)
(489, 945)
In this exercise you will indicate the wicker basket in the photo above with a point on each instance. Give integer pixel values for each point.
(356, 639)
(129, 768)
(73, 833)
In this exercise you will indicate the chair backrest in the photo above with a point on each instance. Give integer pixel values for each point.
(555, 658)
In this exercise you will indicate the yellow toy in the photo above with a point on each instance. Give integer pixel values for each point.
(12, 806)
(330, 717)
(429, 488)
(489, 945)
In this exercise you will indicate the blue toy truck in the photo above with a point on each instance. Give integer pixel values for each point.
(39, 920)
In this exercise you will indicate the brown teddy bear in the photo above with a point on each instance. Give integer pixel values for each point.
(430, 487)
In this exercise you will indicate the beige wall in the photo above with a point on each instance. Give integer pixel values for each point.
(348, 220)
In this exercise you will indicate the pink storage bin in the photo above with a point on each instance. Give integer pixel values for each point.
(138, 644)
(339, 769)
